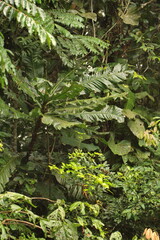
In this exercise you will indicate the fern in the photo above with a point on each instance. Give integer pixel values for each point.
(6, 171)
(29, 16)
(68, 19)
(93, 44)
(6, 65)
(78, 45)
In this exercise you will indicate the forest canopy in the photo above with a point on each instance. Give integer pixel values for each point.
(79, 119)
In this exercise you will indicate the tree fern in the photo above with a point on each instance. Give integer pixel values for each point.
(29, 16)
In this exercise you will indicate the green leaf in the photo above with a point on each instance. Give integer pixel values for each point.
(129, 114)
(97, 223)
(57, 122)
(108, 113)
(130, 101)
(121, 148)
(81, 221)
(131, 16)
(137, 128)
(6, 172)
(74, 205)
(89, 15)
(68, 231)
(116, 236)
(80, 205)
(15, 207)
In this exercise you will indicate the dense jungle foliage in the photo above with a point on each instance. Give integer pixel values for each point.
(79, 119)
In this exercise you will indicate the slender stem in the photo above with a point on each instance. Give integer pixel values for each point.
(105, 34)
(9, 220)
(94, 29)
(145, 4)
(42, 198)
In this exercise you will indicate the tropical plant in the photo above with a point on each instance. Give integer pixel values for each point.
(84, 75)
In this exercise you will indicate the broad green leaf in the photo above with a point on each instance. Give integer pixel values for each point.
(68, 231)
(142, 155)
(131, 16)
(81, 221)
(130, 100)
(121, 148)
(80, 205)
(97, 223)
(57, 122)
(116, 236)
(129, 114)
(90, 15)
(137, 127)
(58, 214)
(74, 206)
(15, 207)
(144, 94)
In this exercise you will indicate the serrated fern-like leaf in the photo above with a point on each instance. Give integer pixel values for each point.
(106, 79)
(6, 172)
(68, 19)
(78, 45)
(108, 113)
(29, 16)
(5, 62)
(93, 44)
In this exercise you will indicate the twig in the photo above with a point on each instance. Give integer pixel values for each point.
(7, 221)
(42, 198)
(109, 29)
(145, 4)
(94, 29)
(126, 8)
